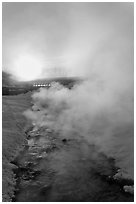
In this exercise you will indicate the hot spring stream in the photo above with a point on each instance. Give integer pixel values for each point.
(52, 168)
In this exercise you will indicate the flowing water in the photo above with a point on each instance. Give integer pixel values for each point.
(52, 168)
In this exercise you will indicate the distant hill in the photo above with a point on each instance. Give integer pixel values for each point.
(7, 80)
(62, 80)
(13, 87)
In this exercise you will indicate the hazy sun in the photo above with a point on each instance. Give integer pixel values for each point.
(27, 67)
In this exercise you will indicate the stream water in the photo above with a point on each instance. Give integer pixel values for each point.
(52, 168)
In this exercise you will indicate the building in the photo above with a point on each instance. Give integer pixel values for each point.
(41, 85)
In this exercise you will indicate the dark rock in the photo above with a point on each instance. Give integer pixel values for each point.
(64, 140)
(129, 189)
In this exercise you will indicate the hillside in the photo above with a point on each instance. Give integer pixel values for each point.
(13, 124)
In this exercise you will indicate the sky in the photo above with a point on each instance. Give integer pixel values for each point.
(71, 39)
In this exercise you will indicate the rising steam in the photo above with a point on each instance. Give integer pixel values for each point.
(90, 111)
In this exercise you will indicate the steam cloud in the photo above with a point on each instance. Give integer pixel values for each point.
(91, 112)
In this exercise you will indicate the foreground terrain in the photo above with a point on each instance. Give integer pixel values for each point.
(39, 165)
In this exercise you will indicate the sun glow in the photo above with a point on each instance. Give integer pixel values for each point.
(27, 67)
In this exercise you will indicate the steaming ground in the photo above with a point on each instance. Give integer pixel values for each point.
(94, 41)
(100, 115)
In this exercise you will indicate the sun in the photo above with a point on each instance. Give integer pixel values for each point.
(27, 67)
